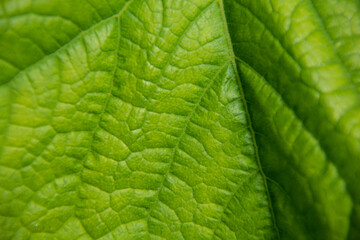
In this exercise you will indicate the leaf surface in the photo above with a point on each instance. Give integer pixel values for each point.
(187, 119)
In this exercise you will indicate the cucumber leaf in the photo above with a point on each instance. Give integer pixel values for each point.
(192, 119)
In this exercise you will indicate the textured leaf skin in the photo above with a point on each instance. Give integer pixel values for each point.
(191, 119)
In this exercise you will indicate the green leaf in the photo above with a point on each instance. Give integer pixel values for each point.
(191, 119)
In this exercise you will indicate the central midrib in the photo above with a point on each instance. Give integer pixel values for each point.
(232, 57)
